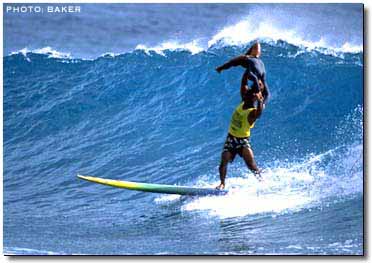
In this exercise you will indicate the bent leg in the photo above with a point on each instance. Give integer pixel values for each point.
(248, 158)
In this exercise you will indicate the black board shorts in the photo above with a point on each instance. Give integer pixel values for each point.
(234, 145)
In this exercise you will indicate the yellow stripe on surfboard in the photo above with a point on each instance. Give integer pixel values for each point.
(110, 182)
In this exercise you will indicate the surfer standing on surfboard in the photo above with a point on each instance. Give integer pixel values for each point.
(237, 141)
(255, 70)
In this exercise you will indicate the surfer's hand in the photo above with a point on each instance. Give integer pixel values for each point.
(219, 69)
(221, 187)
(261, 85)
(258, 96)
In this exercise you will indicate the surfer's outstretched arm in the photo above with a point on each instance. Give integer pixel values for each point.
(237, 61)
(242, 61)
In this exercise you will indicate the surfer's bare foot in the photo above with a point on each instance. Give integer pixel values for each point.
(258, 175)
(221, 187)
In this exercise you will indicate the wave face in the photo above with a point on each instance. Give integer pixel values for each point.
(163, 118)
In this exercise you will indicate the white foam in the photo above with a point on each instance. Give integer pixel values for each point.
(229, 36)
(278, 193)
(22, 51)
(243, 203)
(248, 30)
(110, 54)
(287, 186)
(164, 199)
(52, 53)
(193, 47)
(242, 33)
(27, 251)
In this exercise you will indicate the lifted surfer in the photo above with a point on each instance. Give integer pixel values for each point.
(255, 70)
(237, 141)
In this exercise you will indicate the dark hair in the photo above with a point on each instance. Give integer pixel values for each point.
(249, 52)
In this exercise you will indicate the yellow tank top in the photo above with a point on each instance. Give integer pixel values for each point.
(239, 125)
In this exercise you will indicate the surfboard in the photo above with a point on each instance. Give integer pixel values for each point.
(155, 188)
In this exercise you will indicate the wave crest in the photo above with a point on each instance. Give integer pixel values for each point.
(52, 53)
(248, 30)
(194, 47)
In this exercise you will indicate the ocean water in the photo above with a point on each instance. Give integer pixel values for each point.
(156, 111)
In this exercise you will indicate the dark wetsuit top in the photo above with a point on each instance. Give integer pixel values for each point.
(255, 69)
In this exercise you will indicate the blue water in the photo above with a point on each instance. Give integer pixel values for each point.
(159, 114)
